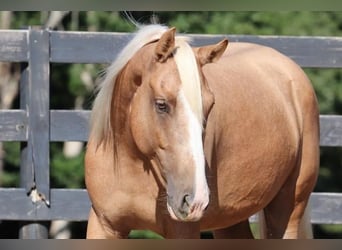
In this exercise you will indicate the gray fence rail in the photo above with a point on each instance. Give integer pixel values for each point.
(35, 125)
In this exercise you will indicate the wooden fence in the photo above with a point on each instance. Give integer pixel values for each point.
(35, 125)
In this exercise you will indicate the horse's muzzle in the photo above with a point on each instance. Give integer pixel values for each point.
(189, 210)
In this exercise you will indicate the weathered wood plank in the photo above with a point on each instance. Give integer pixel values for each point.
(38, 109)
(69, 125)
(66, 204)
(65, 125)
(14, 204)
(13, 46)
(98, 47)
(331, 130)
(13, 125)
(86, 47)
(26, 164)
(315, 52)
(326, 208)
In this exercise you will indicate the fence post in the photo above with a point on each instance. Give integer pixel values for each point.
(35, 154)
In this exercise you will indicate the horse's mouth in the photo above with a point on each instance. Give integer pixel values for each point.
(194, 213)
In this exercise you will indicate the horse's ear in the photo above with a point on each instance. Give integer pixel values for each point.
(211, 53)
(165, 45)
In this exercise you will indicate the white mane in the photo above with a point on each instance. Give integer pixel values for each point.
(186, 63)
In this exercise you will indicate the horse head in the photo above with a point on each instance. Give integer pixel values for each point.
(167, 117)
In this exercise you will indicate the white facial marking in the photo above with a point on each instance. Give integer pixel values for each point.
(194, 130)
(190, 97)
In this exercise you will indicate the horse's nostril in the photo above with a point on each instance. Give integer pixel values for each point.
(186, 201)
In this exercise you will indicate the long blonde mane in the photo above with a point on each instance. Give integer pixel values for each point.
(100, 127)
(100, 116)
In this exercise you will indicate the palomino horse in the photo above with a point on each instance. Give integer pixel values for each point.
(188, 139)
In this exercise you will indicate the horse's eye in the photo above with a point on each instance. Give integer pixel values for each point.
(161, 106)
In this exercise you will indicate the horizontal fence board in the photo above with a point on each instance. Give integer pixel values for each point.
(313, 52)
(102, 47)
(13, 125)
(13, 46)
(74, 205)
(98, 47)
(326, 208)
(331, 130)
(86, 47)
(67, 125)
(14, 204)
(73, 125)
(66, 204)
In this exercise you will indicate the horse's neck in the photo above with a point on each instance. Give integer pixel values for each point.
(129, 159)
(124, 90)
(123, 94)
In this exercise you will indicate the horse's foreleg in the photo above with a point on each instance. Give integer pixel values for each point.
(285, 214)
(299, 226)
(94, 228)
(98, 230)
(241, 230)
(277, 212)
(181, 230)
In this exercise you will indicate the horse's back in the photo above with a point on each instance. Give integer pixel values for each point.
(255, 128)
(262, 84)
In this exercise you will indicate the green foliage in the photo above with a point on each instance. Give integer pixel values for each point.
(330, 171)
(77, 74)
(10, 177)
(259, 23)
(25, 19)
(75, 83)
(66, 172)
(107, 21)
(144, 234)
(327, 88)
